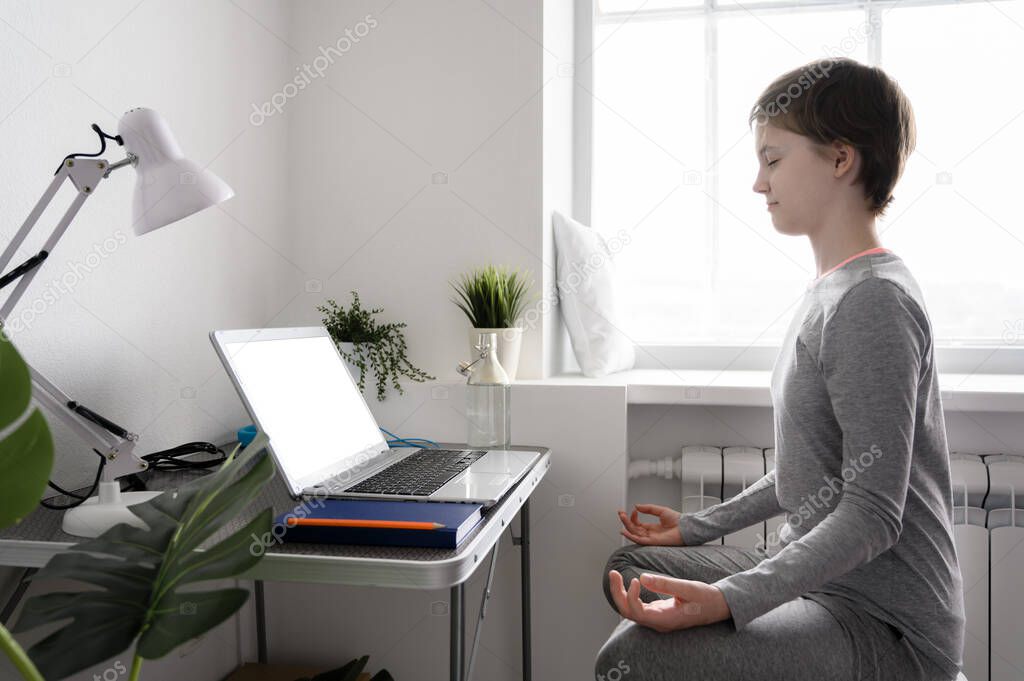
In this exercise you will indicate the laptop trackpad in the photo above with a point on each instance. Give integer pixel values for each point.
(473, 485)
(488, 477)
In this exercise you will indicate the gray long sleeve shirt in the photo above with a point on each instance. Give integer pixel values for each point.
(862, 466)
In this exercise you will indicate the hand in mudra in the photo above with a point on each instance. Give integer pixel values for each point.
(663, 533)
(691, 604)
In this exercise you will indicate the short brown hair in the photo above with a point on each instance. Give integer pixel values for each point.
(841, 99)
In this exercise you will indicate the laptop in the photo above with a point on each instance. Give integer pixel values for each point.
(298, 390)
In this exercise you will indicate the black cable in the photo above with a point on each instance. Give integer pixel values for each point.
(103, 147)
(166, 460)
(78, 499)
(170, 459)
(68, 493)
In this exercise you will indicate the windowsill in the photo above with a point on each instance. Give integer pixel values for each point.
(960, 392)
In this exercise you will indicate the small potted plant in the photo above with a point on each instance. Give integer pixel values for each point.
(493, 299)
(365, 343)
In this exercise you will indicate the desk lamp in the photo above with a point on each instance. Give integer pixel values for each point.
(168, 187)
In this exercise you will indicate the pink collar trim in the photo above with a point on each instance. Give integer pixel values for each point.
(870, 251)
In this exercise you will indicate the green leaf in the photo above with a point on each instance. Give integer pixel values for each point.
(375, 346)
(492, 297)
(349, 672)
(230, 557)
(26, 457)
(109, 573)
(14, 377)
(182, 617)
(129, 542)
(231, 497)
(102, 627)
(138, 572)
(26, 451)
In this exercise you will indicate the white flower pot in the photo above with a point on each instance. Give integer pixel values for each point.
(353, 370)
(510, 341)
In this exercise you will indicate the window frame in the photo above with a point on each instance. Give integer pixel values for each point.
(969, 357)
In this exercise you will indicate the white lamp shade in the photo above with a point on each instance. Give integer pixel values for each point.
(169, 187)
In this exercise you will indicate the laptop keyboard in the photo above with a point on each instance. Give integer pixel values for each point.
(419, 474)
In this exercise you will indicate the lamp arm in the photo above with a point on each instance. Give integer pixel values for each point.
(118, 451)
(84, 175)
(32, 218)
(117, 447)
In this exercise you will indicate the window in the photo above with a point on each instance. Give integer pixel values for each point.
(673, 161)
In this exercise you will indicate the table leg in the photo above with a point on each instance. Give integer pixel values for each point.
(261, 622)
(524, 546)
(483, 609)
(457, 618)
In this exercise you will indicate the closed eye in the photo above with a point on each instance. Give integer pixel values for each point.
(771, 163)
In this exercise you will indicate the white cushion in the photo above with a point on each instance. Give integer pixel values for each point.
(587, 296)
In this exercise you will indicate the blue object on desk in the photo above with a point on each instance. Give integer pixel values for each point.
(458, 521)
(246, 434)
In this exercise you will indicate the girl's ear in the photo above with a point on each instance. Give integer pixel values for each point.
(843, 156)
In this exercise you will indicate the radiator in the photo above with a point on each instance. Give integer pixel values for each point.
(988, 519)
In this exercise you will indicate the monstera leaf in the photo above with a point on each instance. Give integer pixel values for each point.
(26, 456)
(26, 448)
(140, 573)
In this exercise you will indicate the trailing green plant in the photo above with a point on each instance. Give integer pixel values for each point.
(376, 345)
(492, 297)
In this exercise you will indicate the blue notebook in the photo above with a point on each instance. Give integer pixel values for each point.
(458, 521)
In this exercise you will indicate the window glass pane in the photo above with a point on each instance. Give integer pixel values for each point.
(760, 272)
(742, 4)
(649, 141)
(645, 5)
(956, 218)
(704, 263)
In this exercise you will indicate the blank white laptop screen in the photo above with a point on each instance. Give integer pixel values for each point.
(304, 399)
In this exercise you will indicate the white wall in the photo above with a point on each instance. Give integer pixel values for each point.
(126, 330)
(416, 157)
(411, 156)
(124, 327)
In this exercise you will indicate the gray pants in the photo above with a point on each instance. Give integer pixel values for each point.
(801, 639)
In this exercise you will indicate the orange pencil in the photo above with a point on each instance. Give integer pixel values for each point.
(345, 522)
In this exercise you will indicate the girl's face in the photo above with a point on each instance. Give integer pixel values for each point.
(796, 177)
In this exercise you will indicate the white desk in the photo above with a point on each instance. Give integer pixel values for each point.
(32, 543)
